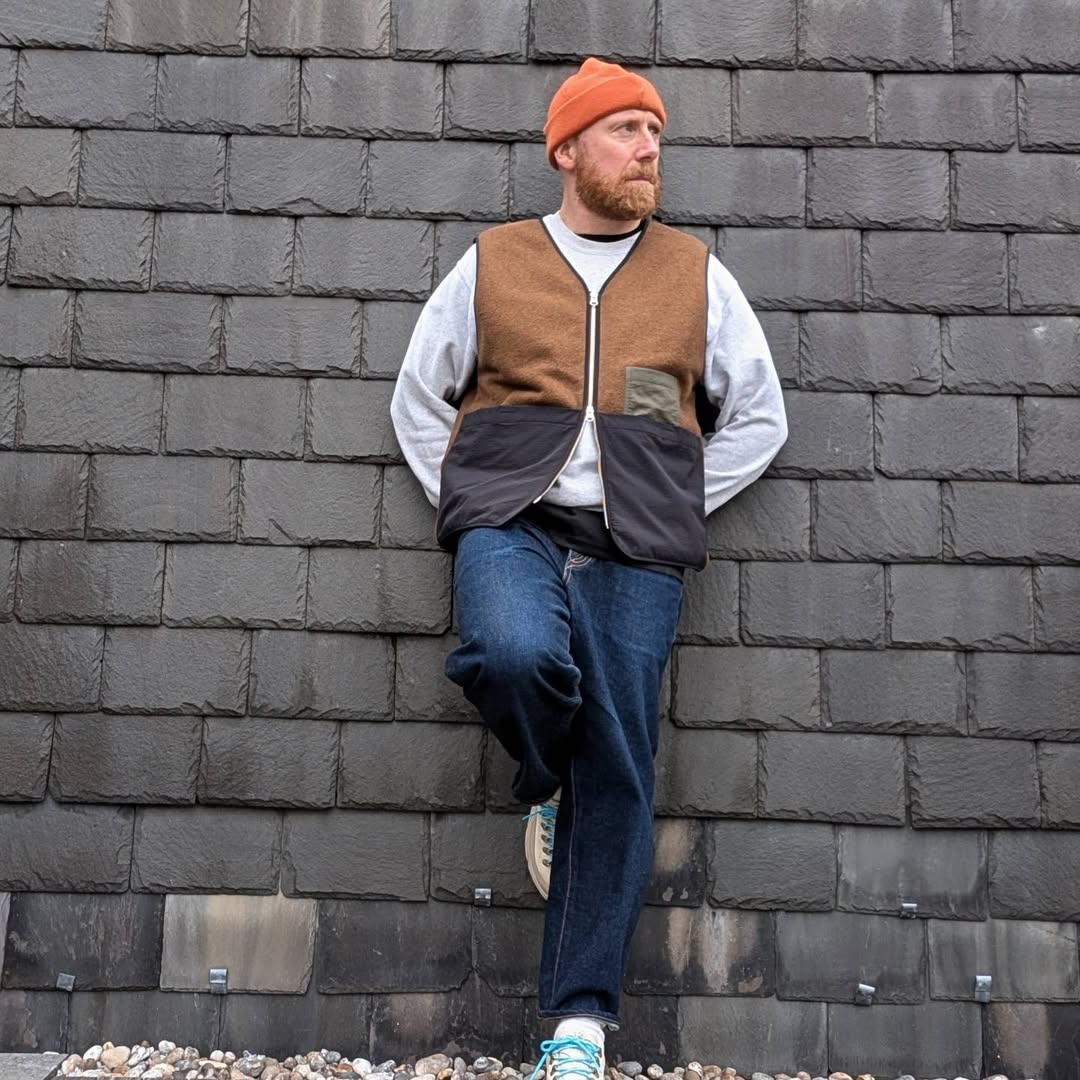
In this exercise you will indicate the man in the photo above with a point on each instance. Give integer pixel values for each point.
(547, 406)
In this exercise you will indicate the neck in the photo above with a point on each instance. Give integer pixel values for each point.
(580, 219)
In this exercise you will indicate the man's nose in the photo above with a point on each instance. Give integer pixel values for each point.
(648, 147)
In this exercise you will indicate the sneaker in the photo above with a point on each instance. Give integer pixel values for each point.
(540, 841)
(569, 1058)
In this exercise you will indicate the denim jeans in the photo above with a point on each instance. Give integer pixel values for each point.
(563, 655)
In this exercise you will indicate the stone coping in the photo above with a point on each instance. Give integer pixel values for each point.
(29, 1066)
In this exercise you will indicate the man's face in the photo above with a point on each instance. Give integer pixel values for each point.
(617, 165)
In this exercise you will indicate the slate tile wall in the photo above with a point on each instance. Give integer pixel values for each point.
(223, 617)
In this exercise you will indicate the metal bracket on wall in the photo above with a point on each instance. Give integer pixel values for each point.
(64, 981)
(481, 897)
(908, 909)
(982, 987)
(219, 980)
(864, 994)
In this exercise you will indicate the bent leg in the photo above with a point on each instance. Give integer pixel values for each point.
(514, 661)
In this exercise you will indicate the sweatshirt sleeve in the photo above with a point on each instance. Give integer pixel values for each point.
(438, 365)
(741, 381)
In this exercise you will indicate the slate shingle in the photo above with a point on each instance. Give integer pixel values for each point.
(951, 112)
(201, 26)
(81, 248)
(705, 32)
(375, 99)
(880, 35)
(86, 89)
(250, 94)
(159, 170)
(338, 29)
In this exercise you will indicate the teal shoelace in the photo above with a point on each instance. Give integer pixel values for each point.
(571, 1057)
(547, 815)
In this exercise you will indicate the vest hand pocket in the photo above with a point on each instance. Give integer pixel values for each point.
(651, 393)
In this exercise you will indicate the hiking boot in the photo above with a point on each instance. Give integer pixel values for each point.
(569, 1058)
(540, 841)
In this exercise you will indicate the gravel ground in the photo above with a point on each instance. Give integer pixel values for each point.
(167, 1061)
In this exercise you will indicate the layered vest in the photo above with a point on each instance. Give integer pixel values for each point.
(553, 357)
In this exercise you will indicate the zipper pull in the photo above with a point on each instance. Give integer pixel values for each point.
(593, 299)
(590, 415)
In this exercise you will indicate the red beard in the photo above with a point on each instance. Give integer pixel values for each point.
(621, 199)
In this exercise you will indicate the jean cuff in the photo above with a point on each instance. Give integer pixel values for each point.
(609, 1020)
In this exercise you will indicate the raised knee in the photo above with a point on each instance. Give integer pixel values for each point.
(520, 659)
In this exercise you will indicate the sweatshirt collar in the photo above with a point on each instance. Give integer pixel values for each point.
(567, 238)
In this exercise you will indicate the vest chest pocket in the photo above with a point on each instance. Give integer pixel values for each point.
(652, 393)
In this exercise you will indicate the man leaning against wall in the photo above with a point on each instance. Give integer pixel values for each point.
(547, 405)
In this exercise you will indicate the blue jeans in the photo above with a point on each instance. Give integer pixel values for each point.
(563, 655)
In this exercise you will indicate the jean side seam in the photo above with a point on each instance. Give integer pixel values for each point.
(569, 881)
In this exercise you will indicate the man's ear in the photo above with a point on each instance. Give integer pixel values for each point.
(566, 154)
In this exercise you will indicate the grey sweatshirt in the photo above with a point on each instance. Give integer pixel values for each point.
(739, 379)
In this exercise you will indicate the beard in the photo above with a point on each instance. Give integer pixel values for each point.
(621, 198)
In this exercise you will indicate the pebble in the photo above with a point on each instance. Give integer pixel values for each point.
(654, 1072)
(112, 1057)
(433, 1063)
(630, 1068)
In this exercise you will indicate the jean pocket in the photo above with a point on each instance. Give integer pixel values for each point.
(652, 393)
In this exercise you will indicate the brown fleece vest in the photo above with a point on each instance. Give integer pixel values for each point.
(532, 320)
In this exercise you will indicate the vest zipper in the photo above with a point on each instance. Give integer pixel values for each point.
(590, 410)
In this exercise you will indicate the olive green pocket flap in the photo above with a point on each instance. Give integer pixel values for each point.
(652, 393)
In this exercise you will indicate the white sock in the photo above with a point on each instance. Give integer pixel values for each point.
(583, 1027)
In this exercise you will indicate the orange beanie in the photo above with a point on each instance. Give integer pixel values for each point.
(596, 89)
